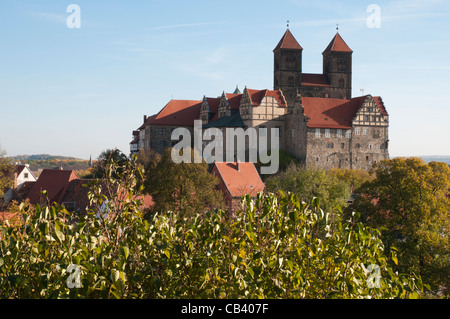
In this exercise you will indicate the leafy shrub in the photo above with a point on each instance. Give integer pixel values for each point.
(275, 247)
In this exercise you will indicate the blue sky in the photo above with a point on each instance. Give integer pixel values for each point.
(77, 92)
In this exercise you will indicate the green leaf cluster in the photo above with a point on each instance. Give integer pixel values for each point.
(409, 201)
(276, 246)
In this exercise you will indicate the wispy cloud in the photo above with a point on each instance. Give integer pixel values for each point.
(59, 18)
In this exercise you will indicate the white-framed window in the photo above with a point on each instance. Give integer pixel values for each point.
(348, 134)
(365, 131)
(370, 146)
(339, 133)
(357, 131)
(327, 132)
(378, 147)
(317, 132)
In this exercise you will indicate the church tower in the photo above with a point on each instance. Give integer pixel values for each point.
(288, 66)
(337, 66)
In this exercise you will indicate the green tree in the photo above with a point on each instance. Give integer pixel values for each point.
(409, 201)
(185, 187)
(276, 247)
(6, 174)
(104, 159)
(309, 183)
(353, 177)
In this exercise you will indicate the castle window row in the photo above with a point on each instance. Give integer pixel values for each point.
(358, 146)
(328, 132)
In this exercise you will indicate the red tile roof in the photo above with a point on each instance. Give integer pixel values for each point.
(309, 79)
(147, 121)
(337, 44)
(213, 104)
(177, 113)
(240, 182)
(55, 182)
(256, 96)
(7, 216)
(19, 169)
(334, 113)
(234, 100)
(380, 104)
(288, 42)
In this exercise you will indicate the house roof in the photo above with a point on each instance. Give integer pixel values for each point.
(242, 181)
(234, 100)
(19, 169)
(310, 79)
(76, 192)
(6, 215)
(12, 218)
(55, 182)
(337, 44)
(288, 42)
(213, 103)
(334, 113)
(256, 96)
(234, 120)
(177, 113)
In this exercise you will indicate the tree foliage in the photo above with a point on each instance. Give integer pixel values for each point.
(353, 177)
(6, 174)
(99, 168)
(185, 188)
(409, 201)
(309, 183)
(275, 247)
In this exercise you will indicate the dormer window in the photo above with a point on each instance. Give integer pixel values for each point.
(317, 132)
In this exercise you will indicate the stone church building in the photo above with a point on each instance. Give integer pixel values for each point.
(315, 116)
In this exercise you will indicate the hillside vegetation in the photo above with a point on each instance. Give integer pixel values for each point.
(45, 161)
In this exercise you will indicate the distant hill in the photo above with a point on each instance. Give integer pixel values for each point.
(45, 161)
(43, 157)
(432, 158)
(436, 158)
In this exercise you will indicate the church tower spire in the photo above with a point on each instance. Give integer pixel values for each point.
(337, 66)
(288, 65)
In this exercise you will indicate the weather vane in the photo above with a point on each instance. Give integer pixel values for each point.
(337, 27)
(288, 24)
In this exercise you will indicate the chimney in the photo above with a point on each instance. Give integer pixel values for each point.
(145, 118)
(15, 180)
(237, 166)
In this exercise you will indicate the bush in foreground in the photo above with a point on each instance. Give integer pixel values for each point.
(275, 247)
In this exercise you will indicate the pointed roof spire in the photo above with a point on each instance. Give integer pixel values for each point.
(237, 91)
(288, 42)
(337, 44)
